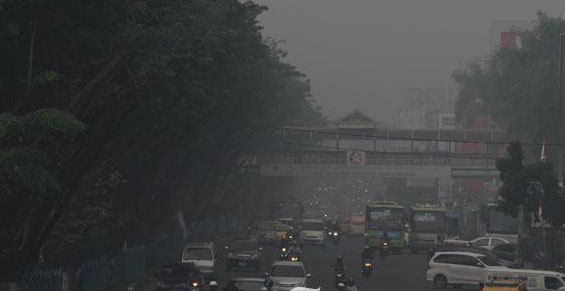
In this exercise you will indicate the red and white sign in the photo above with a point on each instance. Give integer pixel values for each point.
(356, 158)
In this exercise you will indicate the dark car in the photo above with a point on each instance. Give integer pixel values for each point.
(505, 252)
(243, 253)
(179, 276)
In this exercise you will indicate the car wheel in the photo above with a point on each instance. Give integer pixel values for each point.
(456, 286)
(441, 282)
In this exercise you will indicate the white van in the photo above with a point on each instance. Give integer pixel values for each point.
(536, 280)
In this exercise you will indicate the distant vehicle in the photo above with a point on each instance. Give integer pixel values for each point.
(536, 280)
(249, 284)
(264, 230)
(243, 253)
(505, 252)
(356, 225)
(488, 242)
(459, 268)
(457, 242)
(179, 276)
(388, 217)
(447, 246)
(203, 256)
(497, 224)
(288, 275)
(428, 222)
(312, 232)
(281, 230)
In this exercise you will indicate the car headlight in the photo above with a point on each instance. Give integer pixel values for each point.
(385, 244)
(335, 233)
(194, 284)
(283, 250)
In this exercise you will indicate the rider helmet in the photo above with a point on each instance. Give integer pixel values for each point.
(351, 282)
(213, 283)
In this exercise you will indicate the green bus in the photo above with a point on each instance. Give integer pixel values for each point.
(427, 222)
(389, 217)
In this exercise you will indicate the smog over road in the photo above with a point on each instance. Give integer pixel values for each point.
(282, 145)
(367, 54)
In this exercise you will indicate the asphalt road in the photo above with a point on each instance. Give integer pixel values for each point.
(405, 272)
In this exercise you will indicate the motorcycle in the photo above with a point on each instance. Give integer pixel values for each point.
(195, 285)
(287, 256)
(367, 268)
(339, 276)
(334, 236)
(383, 252)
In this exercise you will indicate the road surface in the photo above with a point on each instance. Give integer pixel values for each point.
(404, 272)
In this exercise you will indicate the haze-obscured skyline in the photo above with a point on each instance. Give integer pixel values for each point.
(367, 53)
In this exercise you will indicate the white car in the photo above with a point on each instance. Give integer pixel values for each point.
(459, 268)
(287, 275)
(488, 242)
(203, 256)
(312, 232)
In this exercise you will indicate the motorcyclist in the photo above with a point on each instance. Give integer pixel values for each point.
(294, 249)
(231, 285)
(367, 254)
(338, 266)
(268, 283)
(213, 286)
(384, 237)
(340, 287)
(351, 285)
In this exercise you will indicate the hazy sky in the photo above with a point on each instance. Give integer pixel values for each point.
(366, 53)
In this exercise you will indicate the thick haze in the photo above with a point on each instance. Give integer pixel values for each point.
(366, 53)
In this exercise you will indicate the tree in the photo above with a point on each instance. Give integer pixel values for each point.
(164, 91)
(517, 87)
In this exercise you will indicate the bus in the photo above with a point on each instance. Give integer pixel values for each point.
(498, 224)
(389, 217)
(427, 222)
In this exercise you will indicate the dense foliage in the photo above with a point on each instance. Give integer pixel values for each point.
(147, 105)
(518, 87)
(529, 187)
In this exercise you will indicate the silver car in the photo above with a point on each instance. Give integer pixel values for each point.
(287, 275)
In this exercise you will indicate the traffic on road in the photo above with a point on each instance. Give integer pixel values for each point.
(400, 248)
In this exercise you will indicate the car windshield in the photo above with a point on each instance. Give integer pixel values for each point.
(428, 221)
(249, 285)
(390, 219)
(287, 271)
(244, 245)
(197, 254)
(488, 261)
(176, 269)
(312, 226)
